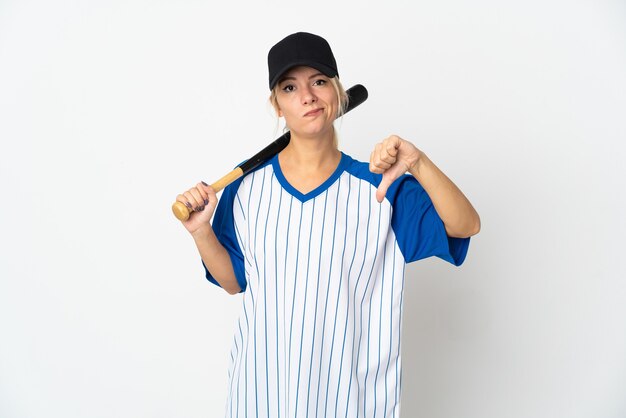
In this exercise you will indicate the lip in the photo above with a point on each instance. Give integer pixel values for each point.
(314, 112)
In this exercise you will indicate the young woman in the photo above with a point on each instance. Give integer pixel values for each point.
(318, 242)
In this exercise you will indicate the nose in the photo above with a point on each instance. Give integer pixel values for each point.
(308, 96)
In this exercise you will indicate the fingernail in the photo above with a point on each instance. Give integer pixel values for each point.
(188, 205)
(206, 202)
(204, 183)
(201, 208)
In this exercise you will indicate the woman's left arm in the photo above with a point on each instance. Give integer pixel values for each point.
(395, 156)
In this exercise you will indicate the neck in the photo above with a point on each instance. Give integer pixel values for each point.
(312, 153)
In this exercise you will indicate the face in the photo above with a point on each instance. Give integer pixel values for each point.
(307, 101)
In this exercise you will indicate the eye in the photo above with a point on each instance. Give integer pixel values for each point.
(287, 88)
(319, 82)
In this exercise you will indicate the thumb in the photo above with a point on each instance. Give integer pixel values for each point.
(384, 186)
(389, 176)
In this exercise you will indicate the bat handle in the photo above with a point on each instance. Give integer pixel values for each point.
(182, 212)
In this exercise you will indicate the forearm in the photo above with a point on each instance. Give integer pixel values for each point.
(216, 259)
(457, 213)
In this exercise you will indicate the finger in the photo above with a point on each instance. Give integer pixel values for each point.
(203, 192)
(387, 158)
(388, 152)
(194, 198)
(392, 143)
(389, 176)
(184, 200)
(378, 165)
(208, 190)
(202, 201)
(210, 194)
(373, 166)
(383, 186)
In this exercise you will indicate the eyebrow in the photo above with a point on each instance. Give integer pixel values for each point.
(293, 78)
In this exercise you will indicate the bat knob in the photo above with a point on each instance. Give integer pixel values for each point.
(180, 211)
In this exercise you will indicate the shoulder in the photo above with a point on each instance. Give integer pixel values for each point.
(360, 170)
(234, 199)
(246, 181)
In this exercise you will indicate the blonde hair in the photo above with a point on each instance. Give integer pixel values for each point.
(342, 99)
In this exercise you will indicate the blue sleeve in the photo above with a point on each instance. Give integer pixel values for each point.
(225, 230)
(419, 229)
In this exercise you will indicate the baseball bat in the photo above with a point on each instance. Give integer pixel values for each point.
(357, 94)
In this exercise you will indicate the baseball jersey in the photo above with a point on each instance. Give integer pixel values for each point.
(322, 276)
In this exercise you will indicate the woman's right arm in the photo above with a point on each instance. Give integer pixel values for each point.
(203, 201)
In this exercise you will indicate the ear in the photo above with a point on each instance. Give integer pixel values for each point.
(274, 104)
(278, 110)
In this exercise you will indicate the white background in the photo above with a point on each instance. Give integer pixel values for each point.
(109, 109)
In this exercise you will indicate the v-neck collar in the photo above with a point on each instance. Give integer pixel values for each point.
(303, 197)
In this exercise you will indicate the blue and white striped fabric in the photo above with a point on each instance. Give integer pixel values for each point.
(323, 277)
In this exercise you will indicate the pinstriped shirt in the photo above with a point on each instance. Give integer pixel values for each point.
(322, 275)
